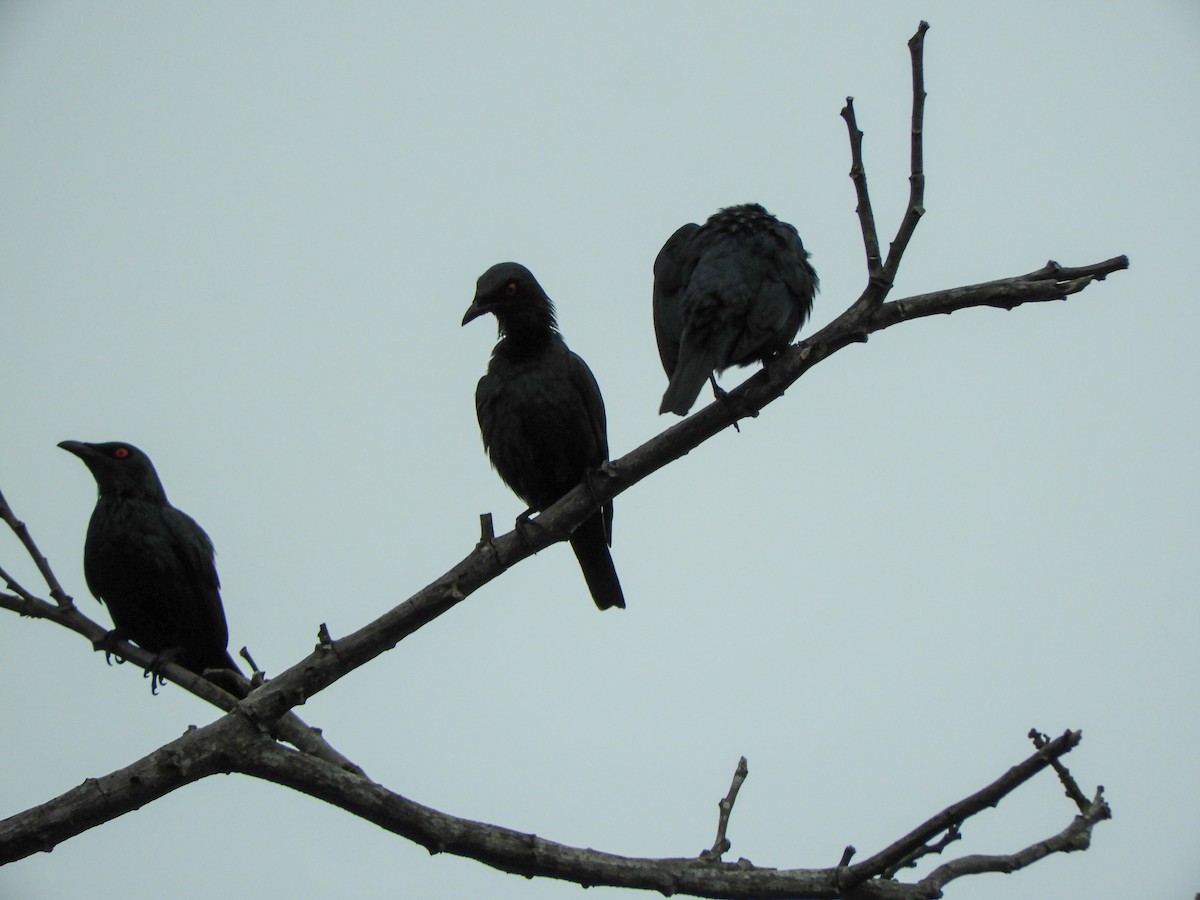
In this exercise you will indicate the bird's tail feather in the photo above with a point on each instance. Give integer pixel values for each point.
(686, 382)
(213, 659)
(214, 669)
(591, 549)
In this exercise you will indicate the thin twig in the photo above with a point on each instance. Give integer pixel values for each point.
(244, 653)
(916, 178)
(1064, 776)
(22, 595)
(43, 565)
(858, 174)
(725, 808)
(952, 834)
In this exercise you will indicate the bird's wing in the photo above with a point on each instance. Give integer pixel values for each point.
(194, 555)
(672, 270)
(192, 545)
(584, 382)
(794, 268)
(485, 406)
(596, 433)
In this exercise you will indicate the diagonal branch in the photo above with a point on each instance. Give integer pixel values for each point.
(489, 559)
(331, 661)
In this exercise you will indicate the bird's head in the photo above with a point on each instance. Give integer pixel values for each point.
(120, 469)
(510, 292)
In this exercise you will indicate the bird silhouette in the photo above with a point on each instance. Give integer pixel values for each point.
(727, 293)
(541, 415)
(151, 564)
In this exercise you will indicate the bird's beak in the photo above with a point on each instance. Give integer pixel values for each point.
(474, 311)
(79, 448)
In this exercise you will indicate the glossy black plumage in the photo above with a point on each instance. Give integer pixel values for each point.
(727, 293)
(541, 414)
(149, 563)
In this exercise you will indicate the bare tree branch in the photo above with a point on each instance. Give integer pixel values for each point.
(232, 745)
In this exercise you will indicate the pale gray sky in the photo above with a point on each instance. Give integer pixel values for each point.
(242, 236)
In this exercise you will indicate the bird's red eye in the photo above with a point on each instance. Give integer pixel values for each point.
(511, 288)
(121, 452)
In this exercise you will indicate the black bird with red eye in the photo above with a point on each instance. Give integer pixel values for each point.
(150, 563)
(541, 414)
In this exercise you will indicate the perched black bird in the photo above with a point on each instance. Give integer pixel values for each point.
(726, 293)
(151, 564)
(541, 414)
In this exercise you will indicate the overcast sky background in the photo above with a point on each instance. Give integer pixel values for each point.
(242, 237)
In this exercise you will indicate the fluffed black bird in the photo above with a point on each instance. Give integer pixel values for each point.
(151, 564)
(726, 293)
(541, 414)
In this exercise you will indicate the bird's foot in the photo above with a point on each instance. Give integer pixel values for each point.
(526, 527)
(154, 673)
(743, 409)
(108, 644)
